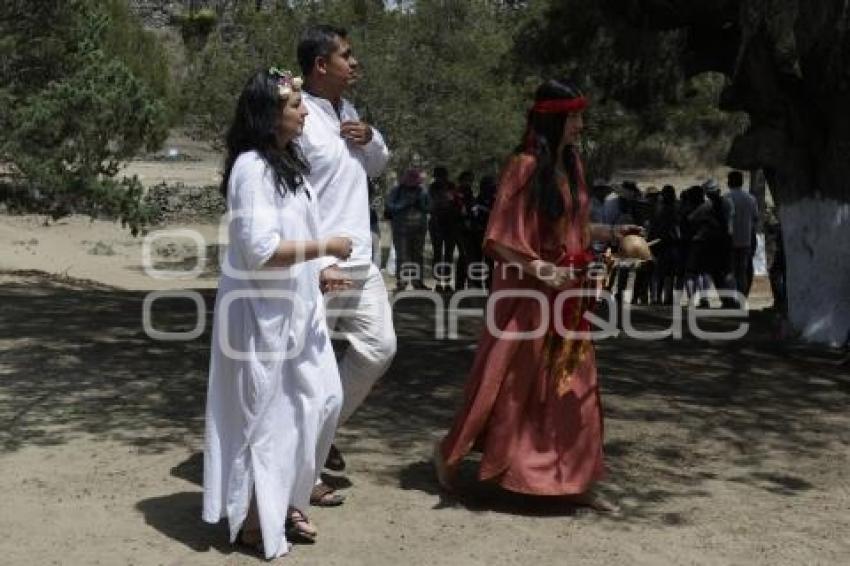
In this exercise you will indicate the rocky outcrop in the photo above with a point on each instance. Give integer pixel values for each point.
(157, 14)
(180, 203)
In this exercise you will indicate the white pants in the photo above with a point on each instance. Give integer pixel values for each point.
(363, 317)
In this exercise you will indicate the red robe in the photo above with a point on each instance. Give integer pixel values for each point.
(532, 406)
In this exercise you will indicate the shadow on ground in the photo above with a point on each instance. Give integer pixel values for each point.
(76, 360)
(177, 516)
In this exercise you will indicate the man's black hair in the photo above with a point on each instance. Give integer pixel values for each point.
(735, 179)
(317, 41)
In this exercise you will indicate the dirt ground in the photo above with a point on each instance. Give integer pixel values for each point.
(719, 452)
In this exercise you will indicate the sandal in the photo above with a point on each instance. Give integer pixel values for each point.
(334, 461)
(299, 528)
(324, 495)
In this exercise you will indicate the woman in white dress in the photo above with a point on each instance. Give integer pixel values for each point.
(274, 391)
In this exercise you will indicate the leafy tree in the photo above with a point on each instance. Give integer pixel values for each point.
(443, 88)
(448, 81)
(437, 78)
(644, 111)
(217, 73)
(82, 92)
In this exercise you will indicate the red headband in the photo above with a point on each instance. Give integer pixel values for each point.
(560, 105)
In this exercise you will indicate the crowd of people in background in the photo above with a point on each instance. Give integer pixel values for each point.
(454, 215)
(701, 236)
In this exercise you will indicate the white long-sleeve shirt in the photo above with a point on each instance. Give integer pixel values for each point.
(339, 173)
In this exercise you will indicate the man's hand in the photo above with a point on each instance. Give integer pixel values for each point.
(356, 132)
(332, 279)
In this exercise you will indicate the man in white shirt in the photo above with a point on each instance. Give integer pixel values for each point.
(343, 152)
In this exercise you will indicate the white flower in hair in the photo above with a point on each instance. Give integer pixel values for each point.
(286, 81)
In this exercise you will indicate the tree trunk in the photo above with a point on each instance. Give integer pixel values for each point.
(758, 190)
(809, 178)
(816, 233)
(791, 76)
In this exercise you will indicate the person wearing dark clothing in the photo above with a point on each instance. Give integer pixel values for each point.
(639, 204)
(711, 242)
(445, 226)
(644, 208)
(465, 243)
(479, 216)
(374, 224)
(407, 207)
(664, 227)
(691, 271)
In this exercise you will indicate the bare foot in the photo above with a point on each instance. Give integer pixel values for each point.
(445, 474)
(299, 528)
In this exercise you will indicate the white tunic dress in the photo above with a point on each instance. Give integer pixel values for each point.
(274, 391)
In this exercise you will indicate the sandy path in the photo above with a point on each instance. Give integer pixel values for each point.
(720, 454)
(103, 251)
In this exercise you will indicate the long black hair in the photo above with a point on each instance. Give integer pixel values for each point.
(543, 134)
(254, 128)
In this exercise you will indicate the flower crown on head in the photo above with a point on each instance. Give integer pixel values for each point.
(286, 81)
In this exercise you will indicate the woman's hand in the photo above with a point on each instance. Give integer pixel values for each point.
(557, 277)
(339, 246)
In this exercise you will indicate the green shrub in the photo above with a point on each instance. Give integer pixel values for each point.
(74, 109)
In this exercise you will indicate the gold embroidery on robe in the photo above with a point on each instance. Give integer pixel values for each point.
(565, 355)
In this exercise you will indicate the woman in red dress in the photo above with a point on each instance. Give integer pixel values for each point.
(531, 405)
